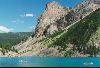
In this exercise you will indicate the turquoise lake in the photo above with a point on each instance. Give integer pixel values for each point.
(48, 62)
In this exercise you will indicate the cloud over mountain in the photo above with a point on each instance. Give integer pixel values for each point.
(5, 29)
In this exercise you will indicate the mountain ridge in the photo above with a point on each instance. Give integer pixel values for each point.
(58, 33)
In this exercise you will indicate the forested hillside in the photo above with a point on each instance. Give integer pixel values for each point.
(79, 36)
(7, 40)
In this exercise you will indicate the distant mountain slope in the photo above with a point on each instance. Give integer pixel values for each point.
(7, 40)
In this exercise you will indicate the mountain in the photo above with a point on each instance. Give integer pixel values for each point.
(86, 7)
(56, 17)
(7, 40)
(61, 31)
(47, 21)
(80, 39)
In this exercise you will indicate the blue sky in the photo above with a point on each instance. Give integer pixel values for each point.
(21, 15)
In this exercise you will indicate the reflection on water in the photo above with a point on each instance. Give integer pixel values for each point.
(23, 61)
(49, 62)
(88, 63)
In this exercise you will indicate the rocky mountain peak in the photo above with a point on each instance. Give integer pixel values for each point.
(85, 8)
(47, 21)
(53, 5)
(91, 4)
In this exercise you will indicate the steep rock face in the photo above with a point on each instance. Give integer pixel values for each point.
(47, 21)
(85, 7)
(52, 19)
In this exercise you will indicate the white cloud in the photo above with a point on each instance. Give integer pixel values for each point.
(5, 29)
(27, 15)
(17, 21)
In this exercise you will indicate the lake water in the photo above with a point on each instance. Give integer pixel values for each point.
(48, 62)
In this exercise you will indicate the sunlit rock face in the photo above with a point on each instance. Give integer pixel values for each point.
(97, 3)
(47, 21)
(86, 7)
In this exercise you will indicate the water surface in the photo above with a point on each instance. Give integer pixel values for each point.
(48, 62)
